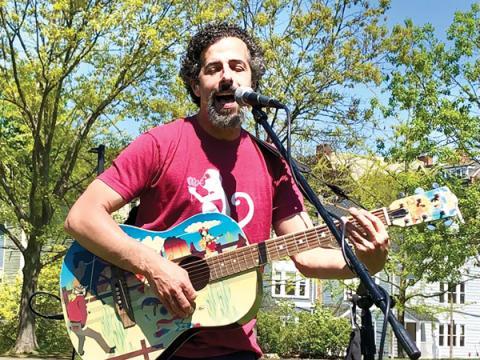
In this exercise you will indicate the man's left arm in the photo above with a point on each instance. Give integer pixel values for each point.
(367, 234)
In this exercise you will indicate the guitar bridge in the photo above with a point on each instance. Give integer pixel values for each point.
(121, 297)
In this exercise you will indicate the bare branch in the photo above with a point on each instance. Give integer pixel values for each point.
(13, 201)
(15, 240)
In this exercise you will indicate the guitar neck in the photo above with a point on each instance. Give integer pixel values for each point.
(255, 255)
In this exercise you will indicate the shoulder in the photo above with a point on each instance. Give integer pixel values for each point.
(273, 159)
(171, 129)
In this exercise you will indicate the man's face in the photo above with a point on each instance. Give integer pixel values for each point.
(225, 66)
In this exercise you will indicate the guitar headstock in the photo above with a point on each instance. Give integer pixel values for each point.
(431, 205)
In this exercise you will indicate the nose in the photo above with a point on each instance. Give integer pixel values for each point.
(227, 76)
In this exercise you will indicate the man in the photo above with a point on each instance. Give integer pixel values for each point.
(77, 315)
(208, 163)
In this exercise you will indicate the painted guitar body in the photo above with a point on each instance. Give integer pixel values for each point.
(142, 328)
(114, 314)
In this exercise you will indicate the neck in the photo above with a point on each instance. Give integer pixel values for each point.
(255, 255)
(229, 134)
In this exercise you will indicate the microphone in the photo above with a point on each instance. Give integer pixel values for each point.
(246, 96)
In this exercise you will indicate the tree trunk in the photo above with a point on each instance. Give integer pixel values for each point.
(26, 339)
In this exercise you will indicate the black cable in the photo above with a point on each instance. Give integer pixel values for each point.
(45, 316)
(342, 224)
(385, 322)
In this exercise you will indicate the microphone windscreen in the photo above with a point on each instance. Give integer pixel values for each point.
(239, 93)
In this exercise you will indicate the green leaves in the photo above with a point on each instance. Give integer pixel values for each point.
(289, 332)
(437, 84)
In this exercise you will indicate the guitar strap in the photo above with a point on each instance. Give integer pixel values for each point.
(267, 149)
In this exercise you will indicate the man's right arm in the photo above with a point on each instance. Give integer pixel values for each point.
(91, 224)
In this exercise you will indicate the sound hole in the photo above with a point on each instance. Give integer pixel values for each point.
(198, 271)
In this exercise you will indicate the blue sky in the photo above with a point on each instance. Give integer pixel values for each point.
(439, 13)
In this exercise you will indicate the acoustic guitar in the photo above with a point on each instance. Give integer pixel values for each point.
(111, 313)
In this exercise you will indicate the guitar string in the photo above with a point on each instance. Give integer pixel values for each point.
(226, 267)
(198, 272)
(309, 234)
(221, 263)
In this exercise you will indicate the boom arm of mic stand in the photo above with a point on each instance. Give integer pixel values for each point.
(357, 266)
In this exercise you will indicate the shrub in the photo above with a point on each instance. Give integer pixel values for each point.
(52, 336)
(288, 332)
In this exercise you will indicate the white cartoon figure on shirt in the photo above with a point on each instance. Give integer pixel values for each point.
(210, 193)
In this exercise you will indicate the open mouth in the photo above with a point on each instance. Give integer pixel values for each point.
(224, 99)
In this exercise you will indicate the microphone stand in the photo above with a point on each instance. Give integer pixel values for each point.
(377, 294)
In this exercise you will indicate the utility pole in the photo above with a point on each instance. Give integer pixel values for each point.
(100, 151)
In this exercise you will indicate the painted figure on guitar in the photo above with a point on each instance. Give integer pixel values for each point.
(77, 314)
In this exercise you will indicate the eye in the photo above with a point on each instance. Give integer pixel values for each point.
(239, 67)
(211, 69)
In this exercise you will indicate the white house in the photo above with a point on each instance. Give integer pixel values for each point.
(455, 331)
(284, 282)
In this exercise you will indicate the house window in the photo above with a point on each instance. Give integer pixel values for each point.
(462, 335)
(452, 335)
(441, 335)
(455, 293)
(277, 283)
(423, 335)
(290, 284)
(462, 293)
(302, 287)
(452, 294)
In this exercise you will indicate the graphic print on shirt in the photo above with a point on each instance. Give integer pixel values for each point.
(208, 190)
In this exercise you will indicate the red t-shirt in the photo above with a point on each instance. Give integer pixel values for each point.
(77, 310)
(178, 170)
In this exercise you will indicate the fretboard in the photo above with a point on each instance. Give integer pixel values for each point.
(255, 255)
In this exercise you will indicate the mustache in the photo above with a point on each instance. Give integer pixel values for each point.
(224, 88)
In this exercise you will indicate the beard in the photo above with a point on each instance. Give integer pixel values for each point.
(226, 118)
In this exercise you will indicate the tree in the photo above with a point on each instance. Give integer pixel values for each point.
(424, 253)
(433, 105)
(433, 86)
(69, 71)
(313, 51)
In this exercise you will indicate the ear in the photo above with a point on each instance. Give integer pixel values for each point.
(195, 87)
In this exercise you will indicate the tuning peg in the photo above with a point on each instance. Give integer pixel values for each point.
(435, 185)
(431, 227)
(419, 191)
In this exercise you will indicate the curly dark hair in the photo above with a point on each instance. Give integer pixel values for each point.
(210, 34)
